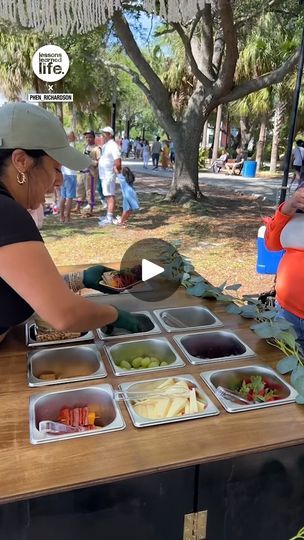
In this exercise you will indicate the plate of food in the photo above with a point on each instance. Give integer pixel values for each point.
(122, 280)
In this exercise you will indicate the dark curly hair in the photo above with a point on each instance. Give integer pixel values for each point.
(129, 175)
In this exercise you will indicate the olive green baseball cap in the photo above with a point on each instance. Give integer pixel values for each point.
(30, 127)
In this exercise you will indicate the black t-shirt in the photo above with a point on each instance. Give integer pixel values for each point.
(16, 225)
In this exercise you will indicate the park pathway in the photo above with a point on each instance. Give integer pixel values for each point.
(268, 188)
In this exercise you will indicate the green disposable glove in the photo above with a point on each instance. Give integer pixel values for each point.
(126, 321)
(93, 275)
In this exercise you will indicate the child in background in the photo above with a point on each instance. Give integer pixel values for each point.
(129, 197)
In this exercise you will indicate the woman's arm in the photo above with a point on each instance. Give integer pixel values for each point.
(273, 230)
(28, 268)
(284, 213)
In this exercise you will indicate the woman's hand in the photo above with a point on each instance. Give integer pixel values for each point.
(92, 277)
(296, 202)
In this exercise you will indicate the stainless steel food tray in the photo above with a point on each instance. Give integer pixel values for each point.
(213, 346)
(232, 376)
(129, 350)
(31, 342)
(190, 317)
(140, 421)
(120, 333)
(72, 363)
(47, 407)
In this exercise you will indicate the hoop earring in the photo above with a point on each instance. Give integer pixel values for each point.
(21, 178)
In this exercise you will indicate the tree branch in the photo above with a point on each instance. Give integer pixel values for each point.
(194, 24)
(161, 99)
(226, 75)
(133, 74)
(268, 79)
(203, 79)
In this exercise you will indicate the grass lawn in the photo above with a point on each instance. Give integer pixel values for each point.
(218, 234)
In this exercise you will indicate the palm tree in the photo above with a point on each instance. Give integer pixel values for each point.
(16, 51)
(264, 51)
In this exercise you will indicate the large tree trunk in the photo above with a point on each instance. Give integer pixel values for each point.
(217, 132)
(261, 143)
(185, 185)
(279, 114)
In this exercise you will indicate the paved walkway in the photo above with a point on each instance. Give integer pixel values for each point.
(264, 187)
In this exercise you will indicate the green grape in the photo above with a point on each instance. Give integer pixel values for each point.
(136, 363)
(153, 359)
(154, 364)
(124, 364)
(164, 363)
(145, 362)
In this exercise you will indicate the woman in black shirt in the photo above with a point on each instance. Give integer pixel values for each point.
(33, 146)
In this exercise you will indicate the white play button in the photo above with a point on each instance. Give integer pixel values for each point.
(150, 270)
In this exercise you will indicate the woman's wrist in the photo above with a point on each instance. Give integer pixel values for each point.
(74, 281)
(288, 209)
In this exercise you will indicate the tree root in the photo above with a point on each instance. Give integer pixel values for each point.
(184, 195)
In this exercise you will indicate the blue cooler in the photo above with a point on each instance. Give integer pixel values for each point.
(249, 169)
(267, 261)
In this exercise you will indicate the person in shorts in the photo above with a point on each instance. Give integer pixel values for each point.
(67, 194)
(108, 166)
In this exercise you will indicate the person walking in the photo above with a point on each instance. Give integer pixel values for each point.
(109, 165)
(298, 161)
(165, 156)
(156, 148)
(34, 146)
(146, 154)
(68, 188)
(125, 147)
(87, 179)
(172, 154)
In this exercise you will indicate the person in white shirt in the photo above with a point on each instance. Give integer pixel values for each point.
(298, 160)
(146, 154)
(125, 147)
(108, 166)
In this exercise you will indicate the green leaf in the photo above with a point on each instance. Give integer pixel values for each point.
(263, 330)
(287, 364)
(248, 312)
(234, 309)
(197, 290)
(298, 372)
(224, 298)
(299, 385)
(210, 294)
(283, 324)
(268, 314)
(300, 401)
(196, 279)
(288, 338)
(185, 276)
(234, 287)
(188, 268)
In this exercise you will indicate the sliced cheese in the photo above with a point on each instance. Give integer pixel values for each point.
(177, 406)
(200, 405)
(193, 403)
(162, 406)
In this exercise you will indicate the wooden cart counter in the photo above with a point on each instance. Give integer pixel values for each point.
(28, 471)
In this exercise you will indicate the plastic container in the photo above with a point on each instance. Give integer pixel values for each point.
(267, 261)
(249, 169)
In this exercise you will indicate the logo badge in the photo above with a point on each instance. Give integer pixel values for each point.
(50, 63)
